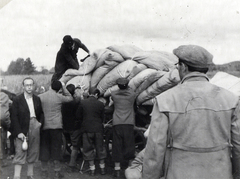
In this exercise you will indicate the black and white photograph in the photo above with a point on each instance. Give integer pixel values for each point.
(127, 89)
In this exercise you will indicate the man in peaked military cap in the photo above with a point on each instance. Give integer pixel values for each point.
(195, 125)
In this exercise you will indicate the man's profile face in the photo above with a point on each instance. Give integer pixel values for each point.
(28, 86)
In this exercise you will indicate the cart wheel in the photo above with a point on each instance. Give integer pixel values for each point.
(140, 141)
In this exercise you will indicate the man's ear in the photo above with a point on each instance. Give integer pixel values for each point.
(184, 67)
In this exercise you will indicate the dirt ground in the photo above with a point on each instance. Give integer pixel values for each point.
(7, 172)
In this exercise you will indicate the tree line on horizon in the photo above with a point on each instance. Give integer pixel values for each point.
(23, 67)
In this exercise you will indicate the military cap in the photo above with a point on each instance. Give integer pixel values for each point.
(122, 81)
(194, 56)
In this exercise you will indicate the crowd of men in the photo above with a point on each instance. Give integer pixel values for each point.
(194, 130)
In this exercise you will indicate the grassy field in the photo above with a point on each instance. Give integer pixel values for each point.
(14, 82)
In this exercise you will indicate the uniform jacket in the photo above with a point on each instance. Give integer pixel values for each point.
(91, 111)
(195, 129)
(64, 61)
(20, 114)
(123, 106)
(52, 104)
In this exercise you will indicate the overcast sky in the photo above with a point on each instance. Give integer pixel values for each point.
(35, 28)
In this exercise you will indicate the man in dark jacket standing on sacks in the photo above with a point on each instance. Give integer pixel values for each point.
(65, 59)
(123, 124)
(91, 111)
(26, 118)
(67, 56)
(195, 126)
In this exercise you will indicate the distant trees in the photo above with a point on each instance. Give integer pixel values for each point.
(16, 67)
(28, 67)
(21, 66)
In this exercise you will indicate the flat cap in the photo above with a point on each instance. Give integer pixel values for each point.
(194, 56)
(67, 39)
(94, 90)
(122, 81)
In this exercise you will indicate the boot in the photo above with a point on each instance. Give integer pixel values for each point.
(103, 171)
(116, 173)
(92, 172)
(74, 155)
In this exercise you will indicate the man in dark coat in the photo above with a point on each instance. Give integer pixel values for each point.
(92, 112)
(71, 124)
(65, 59)
(26, 117)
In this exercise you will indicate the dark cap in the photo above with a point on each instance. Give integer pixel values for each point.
(56, 85)
(122, 81)
(78, 42)
(67, 39)
(94, 91)
(194, 56)
(71, 89)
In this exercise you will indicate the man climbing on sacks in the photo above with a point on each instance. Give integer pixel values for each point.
(67, 56)
(195, 126)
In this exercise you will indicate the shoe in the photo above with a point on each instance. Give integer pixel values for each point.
(103, 171)
(116, 173)
(92, 172)
(58, 175)
(30, 177)
(44, 174)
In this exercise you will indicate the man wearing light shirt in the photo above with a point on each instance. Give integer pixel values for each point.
(26, 118)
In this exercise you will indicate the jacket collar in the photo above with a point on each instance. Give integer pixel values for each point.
(24, 102)
(195, 76)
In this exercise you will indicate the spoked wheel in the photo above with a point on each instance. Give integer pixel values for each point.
(140, 141)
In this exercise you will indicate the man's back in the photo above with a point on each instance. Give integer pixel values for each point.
(205, 114)
(200, 129)
(51, 104)
(123, 106)
(92, 114)
(69, 115)
(64, 61)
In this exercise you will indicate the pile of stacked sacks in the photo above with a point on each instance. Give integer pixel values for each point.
(149, 72)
